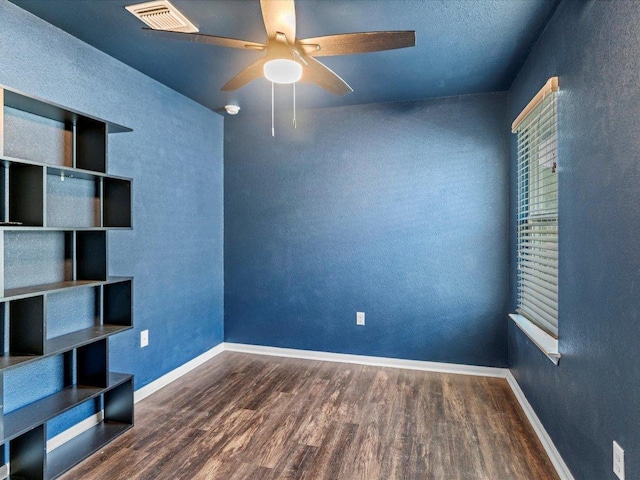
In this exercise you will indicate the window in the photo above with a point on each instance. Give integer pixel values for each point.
(537, 211)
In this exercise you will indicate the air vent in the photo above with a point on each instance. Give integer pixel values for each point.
(161, 15)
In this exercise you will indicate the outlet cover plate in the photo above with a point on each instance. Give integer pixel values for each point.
(144, 338)
(359, 318)
(618, 460)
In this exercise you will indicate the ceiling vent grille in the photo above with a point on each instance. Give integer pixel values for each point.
(161, 15)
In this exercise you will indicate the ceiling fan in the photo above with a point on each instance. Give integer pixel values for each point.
(288, 59)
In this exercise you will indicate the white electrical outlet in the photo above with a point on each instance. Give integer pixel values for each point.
(618, 460)
(144, 338)
(359, 318)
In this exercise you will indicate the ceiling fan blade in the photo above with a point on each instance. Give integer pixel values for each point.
(279, 16)
(318, 73)
(253, 71)
(365, 42)
(207, 39)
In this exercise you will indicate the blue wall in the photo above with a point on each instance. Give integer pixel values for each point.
(591, 398)
(174, 155)
(398, 210)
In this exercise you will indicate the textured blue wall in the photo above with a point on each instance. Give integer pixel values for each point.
(591, 398)
(174, 155)
(398, 210)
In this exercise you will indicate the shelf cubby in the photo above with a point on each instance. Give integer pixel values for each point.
(27, 454)
(91, 255)
(36, 257)
(26, 328)
(91, 145)
(26, 194)
(70, 257)
(92, 363)
(72, 201)
(4, 192)
(36, 138)
(118, 303)
(117, 203)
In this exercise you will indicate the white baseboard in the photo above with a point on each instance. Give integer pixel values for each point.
(563, 471)
(74, 431)
(167, 378)
(366, 360)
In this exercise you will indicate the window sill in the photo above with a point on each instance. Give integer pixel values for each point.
(545, 342)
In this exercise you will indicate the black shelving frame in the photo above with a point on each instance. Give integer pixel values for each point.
(31, 203)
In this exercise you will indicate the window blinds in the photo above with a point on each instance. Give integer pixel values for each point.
(537, 220)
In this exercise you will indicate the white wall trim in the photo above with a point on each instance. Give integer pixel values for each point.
(366, 360)
(541, 339)
(563, 471)
(74, 431)
(167, 378)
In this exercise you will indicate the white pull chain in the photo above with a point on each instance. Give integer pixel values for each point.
(294, 105)
(273, 129)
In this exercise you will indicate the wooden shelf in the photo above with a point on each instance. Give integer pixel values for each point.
(64, 343)
(26, 418)
(27, 228)
(32, 291)
(74, 451)
(79, 338)
(43, 108)
(56, 170)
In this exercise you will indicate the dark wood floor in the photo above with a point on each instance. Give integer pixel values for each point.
(243, 416)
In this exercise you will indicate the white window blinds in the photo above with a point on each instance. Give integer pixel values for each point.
(537, 220)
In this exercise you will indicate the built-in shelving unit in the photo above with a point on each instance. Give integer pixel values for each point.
(54, 215)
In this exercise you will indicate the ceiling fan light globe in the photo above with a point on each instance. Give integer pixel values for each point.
(282, 70)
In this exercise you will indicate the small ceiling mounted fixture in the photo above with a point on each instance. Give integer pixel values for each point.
(232, 109)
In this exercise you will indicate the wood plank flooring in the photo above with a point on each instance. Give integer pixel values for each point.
(242, 416)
